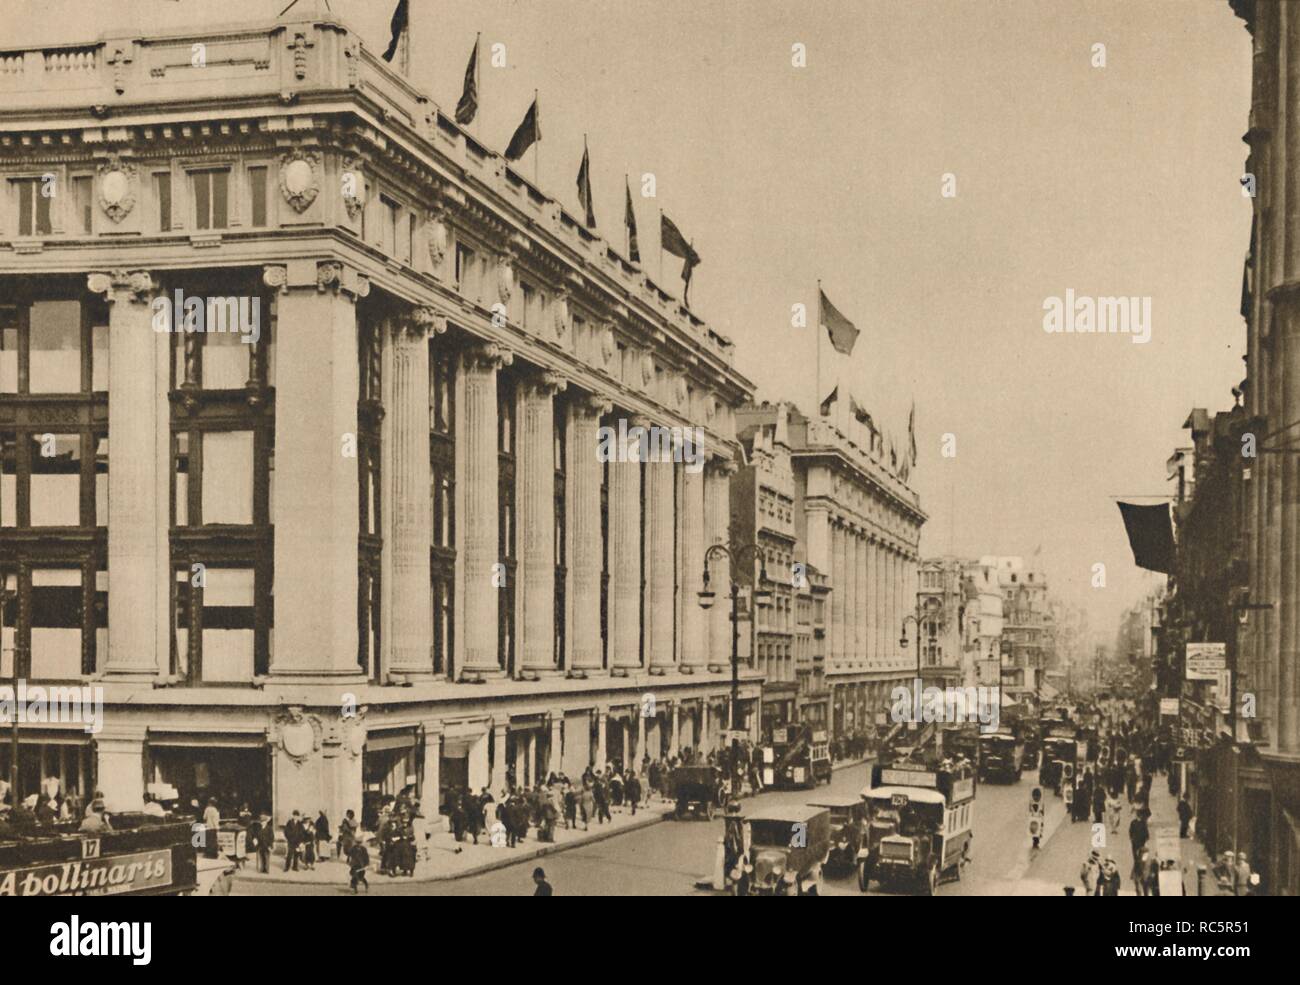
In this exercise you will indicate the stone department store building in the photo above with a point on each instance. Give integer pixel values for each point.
(375, 545)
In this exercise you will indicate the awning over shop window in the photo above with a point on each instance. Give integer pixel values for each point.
(384, 741)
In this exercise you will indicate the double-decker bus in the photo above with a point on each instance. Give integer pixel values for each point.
(919, 824)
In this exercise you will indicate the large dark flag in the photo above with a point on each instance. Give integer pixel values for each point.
(468, 105)
(527, 133)
(672, 240)
(397, 26)
(843, 332)
(584, 188)
(629, 220)
(1151, 535)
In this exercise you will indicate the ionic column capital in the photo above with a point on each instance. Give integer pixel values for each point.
(334, 276)
(546, 383)
(124, 285)
(489, 355)
(276, 277)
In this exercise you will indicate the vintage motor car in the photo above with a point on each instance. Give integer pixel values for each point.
(698, 790)
(1058, 750)
(920, 824)
(797, 756)
(848, 830)
(1002, 756)
(788, 846)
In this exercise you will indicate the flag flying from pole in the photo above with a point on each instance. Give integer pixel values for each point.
(468, 105)
(584, 187)
(527, 133)
(831, 397)
(1150, 535)
(629, 219)
(843, 332)
(398, 25)
(911, 432)
(672, 240)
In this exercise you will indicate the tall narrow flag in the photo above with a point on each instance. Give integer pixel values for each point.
(584, 186)
(843, 332)
(911, 432)
(629, 220)
(526, 134)
(398, 26)
(672, 240)
(831, 397)
(468, 105)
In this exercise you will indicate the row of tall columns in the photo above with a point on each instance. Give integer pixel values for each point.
(860, 598)
(839, 577)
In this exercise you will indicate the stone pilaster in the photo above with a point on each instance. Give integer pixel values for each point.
(316, 488)
(694, 629)
(476, 502)
(860, 600)
(852, 632)
(499, 764)
(410, 522)
(535, 481)
(602, 727)
(582, 479)
(717, 516)
(556, 762)
(625, 566)
(138, 502)
(839, 594)
(660, 529)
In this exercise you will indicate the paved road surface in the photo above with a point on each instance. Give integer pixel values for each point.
(668, 859)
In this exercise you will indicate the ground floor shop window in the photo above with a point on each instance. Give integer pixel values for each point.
(70, 764)
(234, 775)
(392, 762)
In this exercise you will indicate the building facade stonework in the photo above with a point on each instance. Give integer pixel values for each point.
(371, 544)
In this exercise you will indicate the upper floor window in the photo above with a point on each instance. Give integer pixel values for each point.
(53, 346)
(257, 196)
(211, 191)
(33, 206)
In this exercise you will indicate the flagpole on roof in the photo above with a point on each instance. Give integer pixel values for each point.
(627, 233)
(817, 342)
(405, 46)
(478, 72)
(537, 144)
(661, 246)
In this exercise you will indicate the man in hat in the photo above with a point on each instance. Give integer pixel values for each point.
(539, 880)
(96, 820)
(1090, 873)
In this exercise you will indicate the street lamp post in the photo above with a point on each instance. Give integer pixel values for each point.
(931, 609)
(762, 598)
(14, 654)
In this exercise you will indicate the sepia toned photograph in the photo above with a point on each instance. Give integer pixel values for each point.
(650, 448)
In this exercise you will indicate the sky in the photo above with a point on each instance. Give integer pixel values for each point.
(1108, 181)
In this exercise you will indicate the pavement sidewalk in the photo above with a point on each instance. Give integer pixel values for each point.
(446, 859)
(1192, 854)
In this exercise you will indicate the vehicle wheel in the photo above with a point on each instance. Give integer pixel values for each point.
(864, 877)
(708, 811)
(932, 880)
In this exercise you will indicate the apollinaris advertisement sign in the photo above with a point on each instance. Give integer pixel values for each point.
(91, 876)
